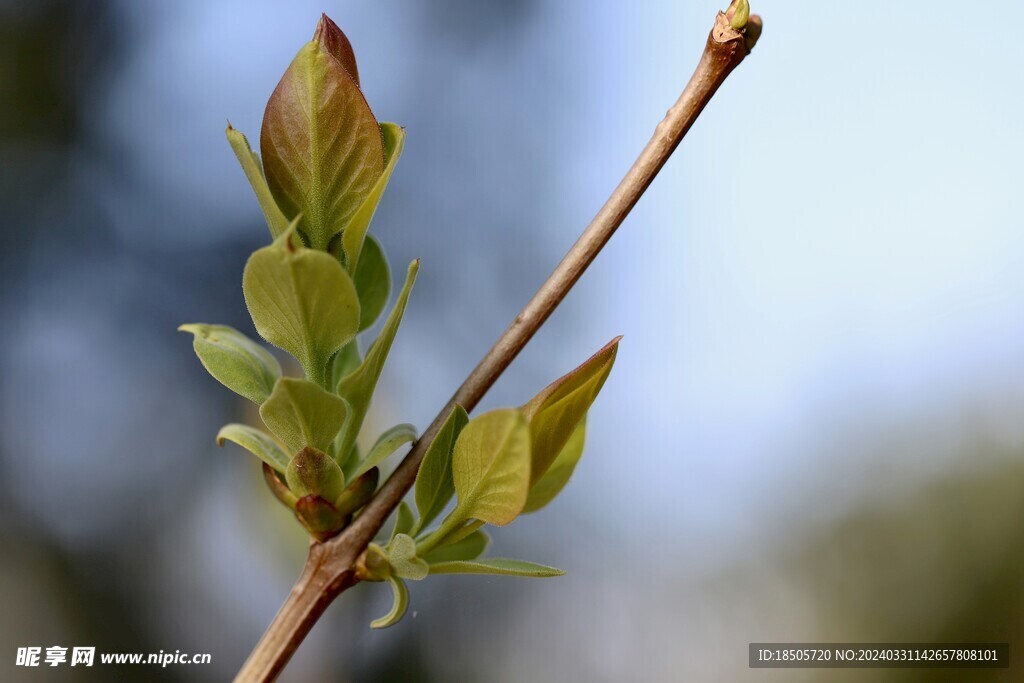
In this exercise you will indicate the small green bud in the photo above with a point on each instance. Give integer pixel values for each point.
(738, 14)
(373, 564)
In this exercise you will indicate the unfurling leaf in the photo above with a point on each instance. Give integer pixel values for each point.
(319, 517)
(302, 301)
(387, 443)
(234, 360)
(403, 560)
(497, 565)
(358, 492)
(321, 145)
(401, 596)
(373, 283)
(434, 483)
(256, 442)
(337, 44)
(404, 519)
(276, 220)
(554, 480)
(314, 473)
(278, 487)
(491, 467)
(355, 231)
(468, 548)
(357, 388)
(300, 413)
(373, 564)
(556, 411)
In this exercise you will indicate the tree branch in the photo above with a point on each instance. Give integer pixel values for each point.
(329, 568)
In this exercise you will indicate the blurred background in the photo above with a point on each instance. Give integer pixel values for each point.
(815, 427)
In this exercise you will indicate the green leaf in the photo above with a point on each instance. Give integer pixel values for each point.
(350, 462)
(276, 220)
(557, 476)
(554, 412)
(300, 413)
(373, 282)
(404, 520)
(355, 230)
(322, 147)
(468, 548)
(497, 565)
(234, 360)
(302, 301)
(347, 467)
(358, 387)
(403, 560)
(314, 473)
(401, 603)
(434, 483)
(343, 363)
(256, 442)
(491, 467)
(387, 443)
(449, 536)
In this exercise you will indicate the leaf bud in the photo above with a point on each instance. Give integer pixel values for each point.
(319, 517)
(314, 473)
(358, 492)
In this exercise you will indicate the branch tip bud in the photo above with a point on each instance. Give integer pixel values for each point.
(738, 14)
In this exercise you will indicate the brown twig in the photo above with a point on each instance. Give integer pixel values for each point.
(330, 567)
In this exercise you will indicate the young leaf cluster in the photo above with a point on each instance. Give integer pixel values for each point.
(320, 282)
(497, 466)
(323, 280)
